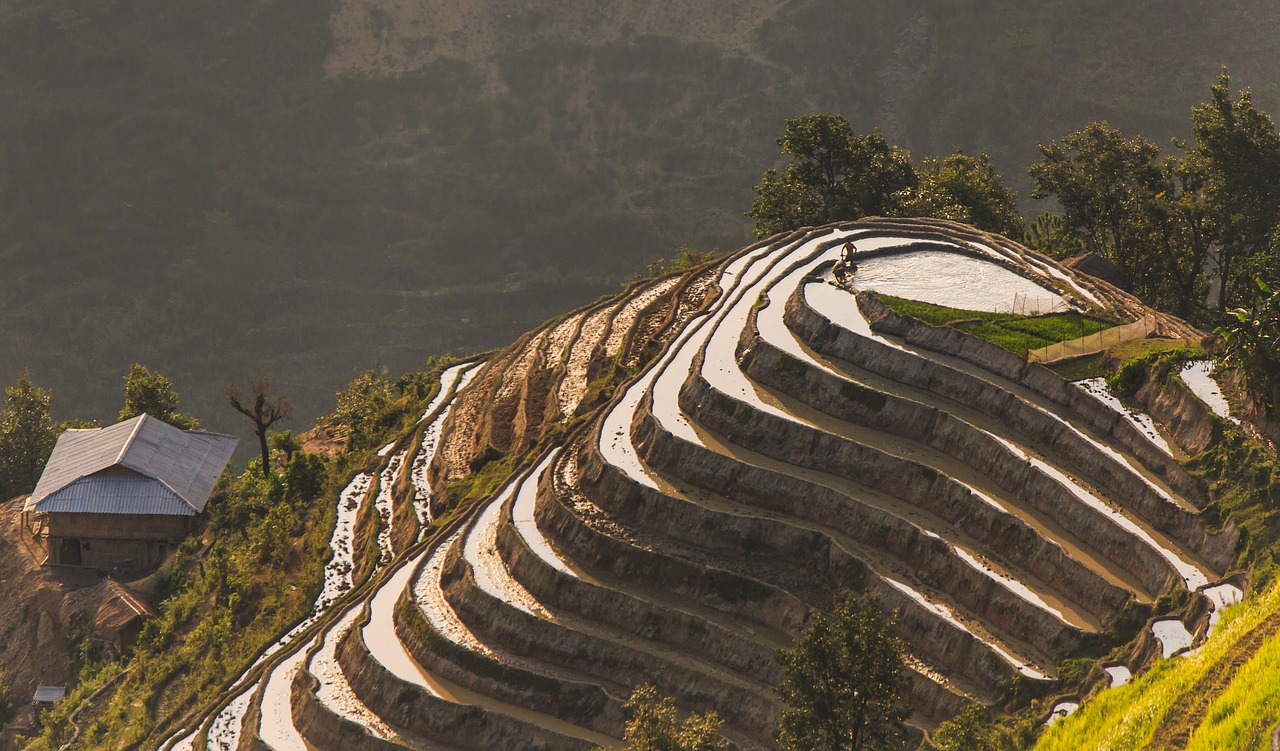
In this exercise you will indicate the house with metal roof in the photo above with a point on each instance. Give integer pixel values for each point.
(115, 498)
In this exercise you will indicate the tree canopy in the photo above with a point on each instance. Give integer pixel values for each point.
(153, 394)
(1192, 228)
(845, 681)
(1125, 201)
(1251, 344)
(27, 435)
(835, 175)
(965, 189)
(1237, 150)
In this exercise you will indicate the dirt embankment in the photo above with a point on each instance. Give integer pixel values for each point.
(45, 612)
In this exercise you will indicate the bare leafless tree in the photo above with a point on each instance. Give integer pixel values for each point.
(263, 408)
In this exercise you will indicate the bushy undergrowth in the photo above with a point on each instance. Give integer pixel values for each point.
(1154, 363)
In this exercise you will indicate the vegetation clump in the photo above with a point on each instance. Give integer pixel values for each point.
(653, 725)
(27, 436)
(153, 394)
(845, 681)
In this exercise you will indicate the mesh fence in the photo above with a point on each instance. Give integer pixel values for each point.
(1026, 305)
(1094, 343)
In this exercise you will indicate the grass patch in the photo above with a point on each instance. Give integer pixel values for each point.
(1128, 716)
(936, 315)
(1136, 348)
(1244, 479)
(1243, 714)
(1080, 368)
(1156, 363)
(1016, 333)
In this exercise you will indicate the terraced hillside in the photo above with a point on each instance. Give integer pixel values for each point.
(775, 441)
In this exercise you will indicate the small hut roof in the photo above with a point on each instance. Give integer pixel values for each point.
(1102, 268)
(120, 609)
(155, 469)
(49, 694)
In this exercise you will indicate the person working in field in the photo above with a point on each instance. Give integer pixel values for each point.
(842, 273)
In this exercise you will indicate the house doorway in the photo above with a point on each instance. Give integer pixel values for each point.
(69, 551)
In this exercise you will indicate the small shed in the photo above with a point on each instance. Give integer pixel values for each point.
(120, 618)
(115, 498)
(47, 696)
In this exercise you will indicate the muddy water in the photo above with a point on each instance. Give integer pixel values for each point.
(431, 601)
(224, 731)
(1197, 376)
(1098, 389)
(335, 692)
(720, 368)
(522, 517)
(1222, 596)
(276, 728)
(481, 551)
(380, 633)
(1192, 572)
(574, 385)
(840, 308)
(949, 279)
(1120, 675)
(1062, 710)
(729, 378)
(774, 330)
(1172, 635)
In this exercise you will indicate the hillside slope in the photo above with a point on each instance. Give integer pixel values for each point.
(305, 190)
(669, 480)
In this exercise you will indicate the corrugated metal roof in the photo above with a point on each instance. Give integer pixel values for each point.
(115, 493)
(187, 462)
(49, 694)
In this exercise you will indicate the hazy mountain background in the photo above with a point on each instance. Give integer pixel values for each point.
(221, 188)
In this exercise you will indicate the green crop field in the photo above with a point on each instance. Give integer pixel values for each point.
(1238, 665)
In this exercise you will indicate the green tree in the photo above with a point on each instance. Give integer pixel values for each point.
(974, 729)
(1251, 344)
(1047, 235)
(1103, 182)
(27, 436)
(845, 681)
(1239, 150)
(833, 175)
(965, 189)
(153, 394)
(1123, 199)
(652, 725)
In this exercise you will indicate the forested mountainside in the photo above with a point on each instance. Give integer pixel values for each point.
(667, 486)
(303, 190)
